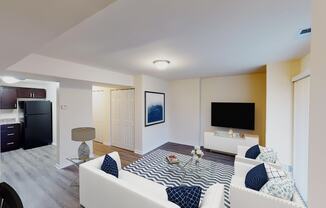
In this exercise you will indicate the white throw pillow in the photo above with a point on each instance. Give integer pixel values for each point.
(273, 173)
(281, 188)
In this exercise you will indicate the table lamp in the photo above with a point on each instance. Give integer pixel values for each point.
(82, 135)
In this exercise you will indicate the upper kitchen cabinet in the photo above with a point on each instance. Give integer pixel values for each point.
(8, 98)
(31, 93)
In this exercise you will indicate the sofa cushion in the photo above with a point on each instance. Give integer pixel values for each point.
(253, 152)
(279, 187)
(150, 188)
(256, 177)
(110, 166)
(185, 196)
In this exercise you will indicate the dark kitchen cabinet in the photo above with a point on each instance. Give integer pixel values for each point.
(10, 137)
(31, 93)
(8, 98)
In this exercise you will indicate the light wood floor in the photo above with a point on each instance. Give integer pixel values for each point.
(38, 182)
(41, 185)
(127, 157)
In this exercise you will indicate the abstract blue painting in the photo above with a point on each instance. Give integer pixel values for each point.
(154, 108)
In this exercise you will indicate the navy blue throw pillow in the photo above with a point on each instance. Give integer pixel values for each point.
(185, 196)
(253, 152)
(256, 177)
(110, 166)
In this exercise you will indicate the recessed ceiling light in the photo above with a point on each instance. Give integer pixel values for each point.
(161, 64)
(10, 80)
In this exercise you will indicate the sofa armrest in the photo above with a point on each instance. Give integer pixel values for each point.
(214, 197)
(242, 150)
(242, 168)
(241, 197)
(253, 162)
(98, 189)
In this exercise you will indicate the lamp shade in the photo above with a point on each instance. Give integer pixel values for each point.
(83, 134)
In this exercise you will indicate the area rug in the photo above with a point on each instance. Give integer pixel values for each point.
(154, 167)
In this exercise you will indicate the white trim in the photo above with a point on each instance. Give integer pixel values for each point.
(301, 76)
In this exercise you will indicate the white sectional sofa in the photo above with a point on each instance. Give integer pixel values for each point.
(242, 197)
(100, 190)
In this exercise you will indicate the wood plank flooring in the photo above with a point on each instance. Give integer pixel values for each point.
(126, 156)
(41, 185)
(38, 182)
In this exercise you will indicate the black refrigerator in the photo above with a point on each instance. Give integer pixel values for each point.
(36, 123)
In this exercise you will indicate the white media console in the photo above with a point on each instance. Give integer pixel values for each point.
(222, 142)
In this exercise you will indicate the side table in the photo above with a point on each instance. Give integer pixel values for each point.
(76, 162)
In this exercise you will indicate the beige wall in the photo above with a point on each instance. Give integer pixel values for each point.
(242, 88)
(279, 107)
(305, 63)
(75, 110)
(185, 111)
(151, 137)
(317, 141)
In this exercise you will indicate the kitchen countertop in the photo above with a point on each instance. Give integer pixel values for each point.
(9, 121)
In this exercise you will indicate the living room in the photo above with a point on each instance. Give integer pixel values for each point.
(178, 70)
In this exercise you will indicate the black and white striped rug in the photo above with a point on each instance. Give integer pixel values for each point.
(154, 167)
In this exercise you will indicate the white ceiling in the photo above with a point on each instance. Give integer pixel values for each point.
(199, 37)
(28, 24)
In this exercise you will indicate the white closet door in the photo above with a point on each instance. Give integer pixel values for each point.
(122, 118)
(301, 135)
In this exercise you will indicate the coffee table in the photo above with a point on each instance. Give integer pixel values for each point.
(187, 166)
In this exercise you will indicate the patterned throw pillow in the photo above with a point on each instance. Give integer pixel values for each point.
(253, 152)
(184, 196)
(273, 173)
(278, 187)
(266, 149)
(256, 177)
(110, 166)
(267, 156)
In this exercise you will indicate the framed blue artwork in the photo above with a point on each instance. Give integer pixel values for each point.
(154, 108)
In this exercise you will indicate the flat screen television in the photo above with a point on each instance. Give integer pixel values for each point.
(233, 115)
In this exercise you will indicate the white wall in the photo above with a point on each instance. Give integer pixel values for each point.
(75, 110)
(151, 137)
(185, 111)
(241, 88)
(101, 113)
(317, 141)
(51, 95)
(46, 66)
(279, 108)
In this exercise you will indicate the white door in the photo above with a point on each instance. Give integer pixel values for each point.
(101, 113)
(122, 118)
(301, 135)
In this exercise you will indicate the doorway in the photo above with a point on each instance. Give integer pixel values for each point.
(113, 115)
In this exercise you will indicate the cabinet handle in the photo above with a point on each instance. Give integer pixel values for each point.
(10, 127)
(12, 134)
(10, 143)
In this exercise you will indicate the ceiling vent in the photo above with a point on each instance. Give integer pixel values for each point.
(305, 31)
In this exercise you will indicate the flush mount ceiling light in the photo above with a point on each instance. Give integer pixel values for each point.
(10, 80)
(161, 64)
